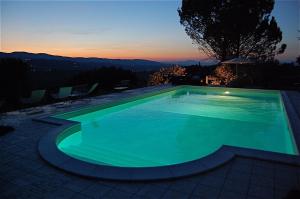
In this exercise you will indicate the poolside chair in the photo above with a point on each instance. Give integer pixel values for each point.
(35, 97)
(93, 87)
(63, 92)
(78, 90)
(123, 85)
(83, 92)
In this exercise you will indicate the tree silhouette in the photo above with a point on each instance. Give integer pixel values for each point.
(231, 28)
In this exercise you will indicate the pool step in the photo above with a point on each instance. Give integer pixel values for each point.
(80, 153)
(108, 156)
(101, 155)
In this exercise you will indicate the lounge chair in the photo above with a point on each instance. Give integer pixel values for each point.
(35, 97)
(78, 89)
(84, 92)
(63, 92)
(123, 85)
(93, 87)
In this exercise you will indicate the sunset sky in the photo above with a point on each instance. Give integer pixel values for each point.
(116, 29)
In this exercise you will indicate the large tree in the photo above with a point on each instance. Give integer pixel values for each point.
(230, 28)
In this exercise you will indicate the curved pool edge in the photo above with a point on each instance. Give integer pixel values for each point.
(49, 151)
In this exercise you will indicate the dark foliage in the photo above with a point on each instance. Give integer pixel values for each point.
(199, 70)
(108, 77)
(196, 74)
(13, 79)
(142, 78)
(298, 60)
(230, 28)
(270, 75)
(293, 194)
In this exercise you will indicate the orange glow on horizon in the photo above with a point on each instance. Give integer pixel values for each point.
(156, 50)
(158, 55)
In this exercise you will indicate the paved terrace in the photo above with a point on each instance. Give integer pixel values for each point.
(23, 174)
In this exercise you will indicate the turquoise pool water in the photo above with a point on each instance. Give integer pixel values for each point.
(179, 126)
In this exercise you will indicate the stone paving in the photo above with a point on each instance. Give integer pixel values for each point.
(23, 174)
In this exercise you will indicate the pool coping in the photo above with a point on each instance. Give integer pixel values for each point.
(48, 150)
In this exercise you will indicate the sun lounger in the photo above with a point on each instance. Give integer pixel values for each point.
(35, 97)
(63, 92)
(84, 92)
(123, 85)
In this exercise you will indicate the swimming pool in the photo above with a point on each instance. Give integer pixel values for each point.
(178, 125)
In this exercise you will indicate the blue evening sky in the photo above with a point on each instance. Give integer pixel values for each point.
(116, 29)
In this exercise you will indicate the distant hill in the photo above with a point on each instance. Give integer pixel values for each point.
(204, 62)
(43, 61)
(184, 62)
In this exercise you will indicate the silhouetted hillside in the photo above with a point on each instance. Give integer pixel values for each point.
(203, 62)
(51, 62)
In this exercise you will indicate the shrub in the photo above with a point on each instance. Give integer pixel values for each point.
(165, 75)
(225, 74)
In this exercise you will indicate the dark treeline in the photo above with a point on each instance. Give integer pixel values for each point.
(18, 79)
(272, 75)
(277, 76)
(108, 77)
(13, 79)
(197, 73)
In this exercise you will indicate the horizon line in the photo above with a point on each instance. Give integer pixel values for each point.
(116, 58)
(131, 58)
